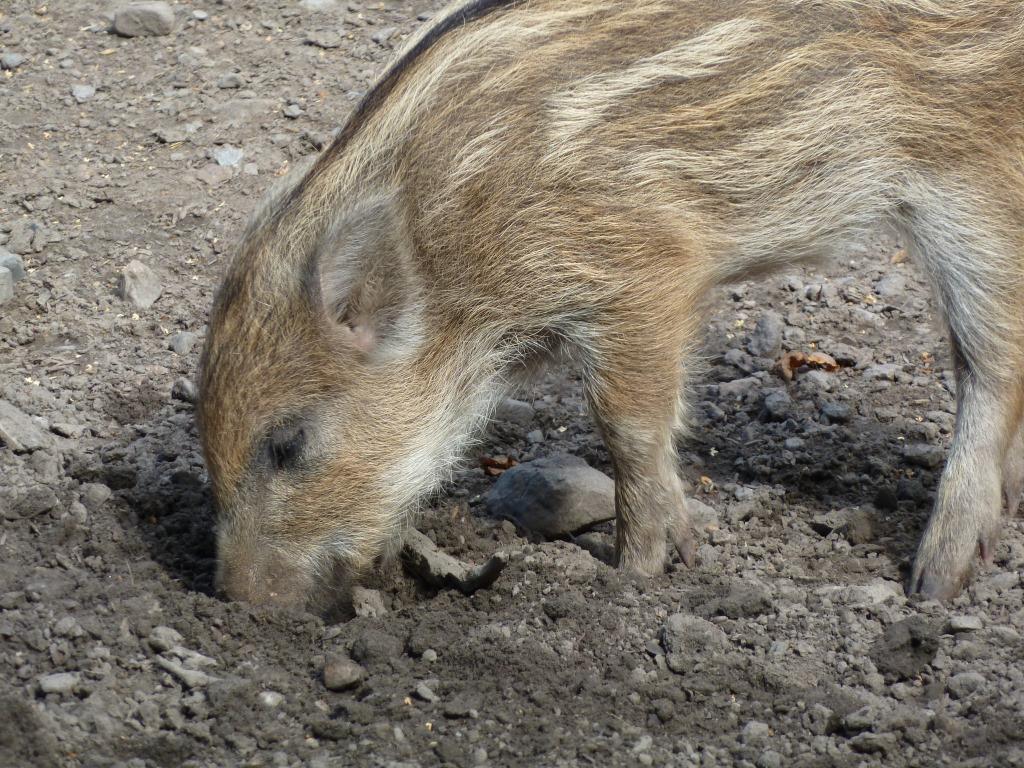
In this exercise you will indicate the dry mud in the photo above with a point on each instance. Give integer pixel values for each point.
(792, 643)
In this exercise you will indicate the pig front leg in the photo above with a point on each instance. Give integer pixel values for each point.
(636, 405)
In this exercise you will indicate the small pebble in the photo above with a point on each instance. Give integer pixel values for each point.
(139, 284)
(964, 624)
(82, 93)
(227, 156)
(270, 699)
(59, 682)
(424, 692)
(183, 389)
(6, 285)
(341, 673)
(11, 60)
(144, 20)
(182, 343)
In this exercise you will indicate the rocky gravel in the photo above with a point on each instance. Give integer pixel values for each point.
(135, 139)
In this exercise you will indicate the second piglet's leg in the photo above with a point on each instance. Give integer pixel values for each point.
(636, 407)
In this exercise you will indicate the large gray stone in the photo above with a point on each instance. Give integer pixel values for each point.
(766, 338)
(555, 497)
(139, 284)
(19, 432)
(514, 411)
(144, 20)
(6, 285)
(12, 262)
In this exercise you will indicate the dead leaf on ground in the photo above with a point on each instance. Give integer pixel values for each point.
(493, 466)
(792, 361)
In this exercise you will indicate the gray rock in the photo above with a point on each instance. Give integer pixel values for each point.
(738, 389)
(37, 500)
(191, 678)
(891, 286)
(515, 411)
(95, 495)
(701, 515)
(341, 673)
(139, 284)
(778, 404)
(59, 682)
(144, 20)
(68, 429)
(68, 627)
(324, 38)
(924, 455)
(27, 236)
(959, 624)
(426, 693)
(755, 732)
(230, 80)
(271, 699)
(374, 646)
(600, 545)
(368, 602)
(883, 371)
(183, 389)
(766, 338)
(292, 111)
(836, 413)
(555, 497)
(874, 743)
(11, 60)
(164, 638)
(961, 685)
(228, 156)
(13, 263)
(82, 92)
(424, 560)
(382, 35)
(19, 432)
(182, 343)
(6, 285)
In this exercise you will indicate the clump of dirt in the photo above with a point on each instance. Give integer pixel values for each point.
(814, 478)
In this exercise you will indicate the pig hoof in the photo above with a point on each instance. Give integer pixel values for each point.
(944, 576)
(681, 535)
(937, 583)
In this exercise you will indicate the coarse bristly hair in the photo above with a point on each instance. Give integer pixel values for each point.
(579, 176)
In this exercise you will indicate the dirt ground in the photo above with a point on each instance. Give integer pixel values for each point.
(792, 644)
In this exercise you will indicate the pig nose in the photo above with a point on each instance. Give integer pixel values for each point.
(268, 581)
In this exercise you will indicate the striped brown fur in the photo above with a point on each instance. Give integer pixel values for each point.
(576, 178)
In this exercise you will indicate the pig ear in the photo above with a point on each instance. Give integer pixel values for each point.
(365, 281)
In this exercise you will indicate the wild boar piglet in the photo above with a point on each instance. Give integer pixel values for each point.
(575, 178)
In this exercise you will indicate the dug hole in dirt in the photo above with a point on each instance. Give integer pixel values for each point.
(129, 164)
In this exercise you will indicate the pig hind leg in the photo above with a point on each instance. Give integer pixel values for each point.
(636, 401)
(1013, 474)
(978, 283)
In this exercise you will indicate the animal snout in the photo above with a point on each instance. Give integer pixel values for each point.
(267, 579)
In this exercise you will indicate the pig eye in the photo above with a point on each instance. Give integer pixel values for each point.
(284, 446)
